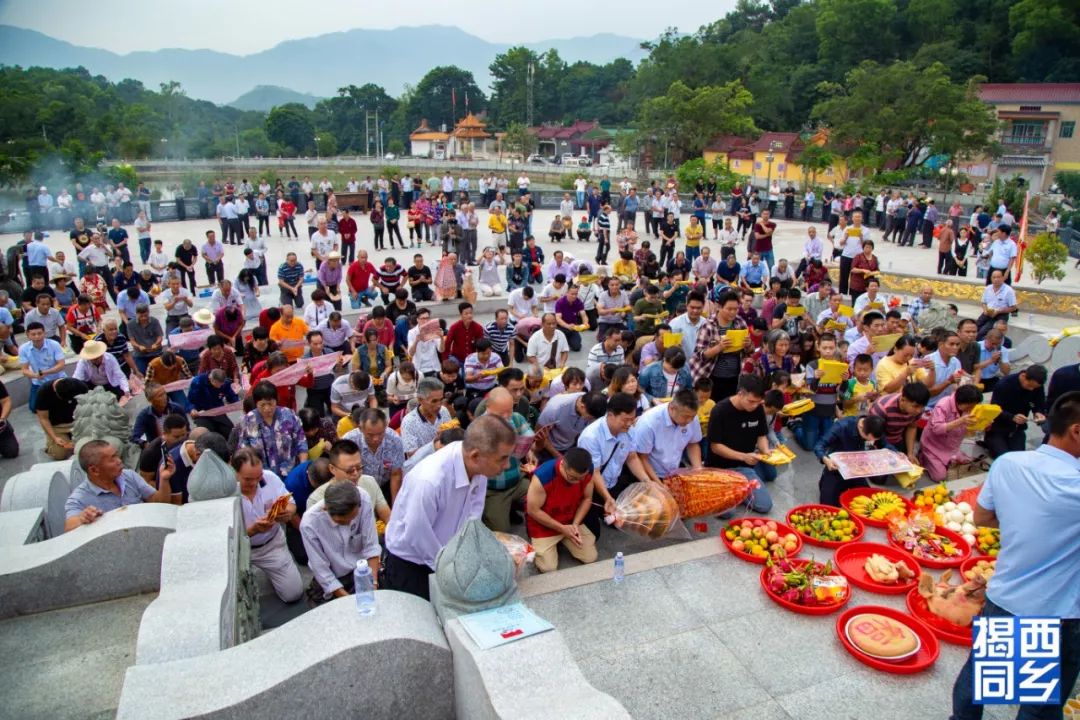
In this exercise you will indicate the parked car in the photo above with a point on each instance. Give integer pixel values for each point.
(537, 160)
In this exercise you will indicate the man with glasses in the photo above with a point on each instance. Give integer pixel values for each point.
(382, 453)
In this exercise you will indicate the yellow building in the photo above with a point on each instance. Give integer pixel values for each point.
(773, 157)
(1038, 131)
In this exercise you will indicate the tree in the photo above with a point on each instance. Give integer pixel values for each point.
(326, 144)
(433, 97)
(345, 116)
(518, 140)
(909, 113)
(1047, 255)
(813, 160)
(510, 75)
(1069, 183)
(688, 119)
(844, 43)
(290, 126)
(1046, 40)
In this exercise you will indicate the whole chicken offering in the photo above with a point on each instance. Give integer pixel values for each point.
(958, 604)
(882, 570)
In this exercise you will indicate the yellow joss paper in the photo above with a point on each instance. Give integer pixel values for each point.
(875, 306)
(846, 310)
(884, 343)
(672, 339)
(835, 326)
(794, 409)
(586, 279)
(795, 310)
(737, 339)
(781, 455)
(831, 372)
(491, 372)
(758, 290)
(984, 414)
(909, 478)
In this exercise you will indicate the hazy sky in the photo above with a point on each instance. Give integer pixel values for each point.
(247, 26)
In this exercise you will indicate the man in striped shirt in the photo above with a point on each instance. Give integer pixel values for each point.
(603, 234)
(500, 332)
(483, 359)
(291, 281)
(389, 275)
(901, 412)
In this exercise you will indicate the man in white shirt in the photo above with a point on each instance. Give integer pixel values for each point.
(523, 183)
(523, 303)
(323, 242)
(552, 292)
(690, 321)
(548, 347)
(1003, 252)
(997, 299)
(445, 490)
(60, 265)
(448, 183)
(579, 190)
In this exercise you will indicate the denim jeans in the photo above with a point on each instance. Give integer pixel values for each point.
(963, 694)
(768, 258)
(812, 428)
(144, 249)
(760, 500)
(580, 199)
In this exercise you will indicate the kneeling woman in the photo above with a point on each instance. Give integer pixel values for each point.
(948, 424)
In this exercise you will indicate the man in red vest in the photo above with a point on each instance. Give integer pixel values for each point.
(560, 495)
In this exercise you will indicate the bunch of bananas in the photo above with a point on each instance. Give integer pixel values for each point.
(877, 506)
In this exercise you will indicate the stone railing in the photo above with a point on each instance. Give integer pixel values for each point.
(207, 600)
(117, 555)
(329, 663)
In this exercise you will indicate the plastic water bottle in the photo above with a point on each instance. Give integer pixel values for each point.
(620, 568)
(364, 586)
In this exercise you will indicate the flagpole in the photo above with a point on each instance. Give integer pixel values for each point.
(1023, 238)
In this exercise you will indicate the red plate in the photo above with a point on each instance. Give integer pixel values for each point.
(973, 561)
(850, 557)
(781, 528)
(955, 561)
(848, 495)
(923, 659)
(795, 607)
(947, 631)
(860, 527)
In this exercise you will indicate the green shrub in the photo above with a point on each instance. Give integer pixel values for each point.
(566, 182)
(1047, 256)
(697, 170)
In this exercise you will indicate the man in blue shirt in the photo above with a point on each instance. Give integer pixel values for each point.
(615, 466)
(42, 360)
(1032, 496)
(38, 256)
(663, 433)
(209, 391)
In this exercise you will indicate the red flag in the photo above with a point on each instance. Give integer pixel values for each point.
(453, 103)
(1023, 238)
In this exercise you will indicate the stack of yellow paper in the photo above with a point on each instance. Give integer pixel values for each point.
(781, 455)
(831, 372)
(884, 343)
(737, 339)
(672, 339)
(984, 414)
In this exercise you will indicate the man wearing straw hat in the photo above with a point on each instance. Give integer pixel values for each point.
(98, 368)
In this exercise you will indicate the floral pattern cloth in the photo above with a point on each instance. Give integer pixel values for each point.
(279, 443)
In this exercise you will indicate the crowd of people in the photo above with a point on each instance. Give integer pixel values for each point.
(689, 359)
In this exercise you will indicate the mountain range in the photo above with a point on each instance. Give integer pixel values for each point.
(306, 68)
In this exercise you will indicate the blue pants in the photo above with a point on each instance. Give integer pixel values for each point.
(812, 428)
(760, 500)
(768, 259)
(144, 249)
(693, 253)
(580, 199)
(963, 694)
(32, 400)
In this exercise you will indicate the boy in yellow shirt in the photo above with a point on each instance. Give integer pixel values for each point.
(703, 390)
(859, 392)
